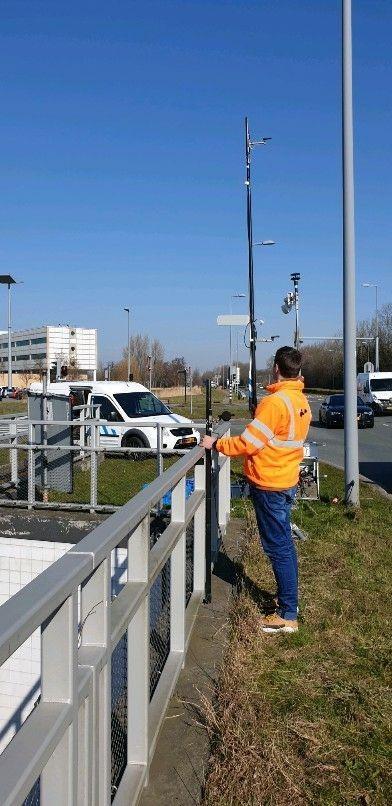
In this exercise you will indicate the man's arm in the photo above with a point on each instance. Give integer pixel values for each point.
(255, 436)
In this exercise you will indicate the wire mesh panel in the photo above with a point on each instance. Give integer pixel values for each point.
(34, 796)
(159, 611)
(159, 625)
(189, 560)
(119, 712)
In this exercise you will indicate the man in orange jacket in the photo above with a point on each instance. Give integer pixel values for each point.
(272, 445)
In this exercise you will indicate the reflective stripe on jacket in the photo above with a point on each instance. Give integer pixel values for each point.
(272, 443)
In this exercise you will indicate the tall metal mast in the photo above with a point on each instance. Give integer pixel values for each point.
(252, 323)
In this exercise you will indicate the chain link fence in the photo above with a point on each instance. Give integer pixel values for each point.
(119, 712)
(189, 560)
(34, 796)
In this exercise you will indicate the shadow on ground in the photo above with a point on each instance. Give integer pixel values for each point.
(232, 572)
(379, 472)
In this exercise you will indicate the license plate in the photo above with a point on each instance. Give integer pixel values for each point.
(189, 441)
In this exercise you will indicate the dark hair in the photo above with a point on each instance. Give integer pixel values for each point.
(289, 361)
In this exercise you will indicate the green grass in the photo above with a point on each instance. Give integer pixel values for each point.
(118, 481)
(13, 406)
(305, 718)
(220, 401)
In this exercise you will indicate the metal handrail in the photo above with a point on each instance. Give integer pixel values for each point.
(46, 745)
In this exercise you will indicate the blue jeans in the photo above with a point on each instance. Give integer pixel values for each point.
(273, 512)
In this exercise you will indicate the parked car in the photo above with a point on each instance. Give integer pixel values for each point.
(123, 405)
(13, 393)
(331, 412)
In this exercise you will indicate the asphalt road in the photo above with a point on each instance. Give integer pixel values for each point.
(375, 445)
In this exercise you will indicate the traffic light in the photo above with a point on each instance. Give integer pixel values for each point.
(63, 371)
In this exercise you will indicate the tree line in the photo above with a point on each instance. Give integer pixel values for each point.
(322, 362)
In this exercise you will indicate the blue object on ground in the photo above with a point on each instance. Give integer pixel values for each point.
(189, 489)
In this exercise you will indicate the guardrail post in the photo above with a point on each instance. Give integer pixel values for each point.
(177, 573)
(93, 468)
(199, 532)
(59, 778)
(139, 650)
(31, 467)
(95, 632)
(159, 450)
(14, 453)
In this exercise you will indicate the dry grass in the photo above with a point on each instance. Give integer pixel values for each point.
(305, 718)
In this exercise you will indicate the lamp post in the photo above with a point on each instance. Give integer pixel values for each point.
(377, 350)
(351, 463)
(128, 311)
(249, 144)
(6, 279)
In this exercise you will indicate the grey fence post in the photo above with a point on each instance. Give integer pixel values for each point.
(95, 651)
(199, 540)
(177, 573)
(31, 467)
(59, 650)
(139, 649)
(159, 450)
(14, 453)
(93, 468)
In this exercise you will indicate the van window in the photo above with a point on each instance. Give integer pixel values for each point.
(381, 384)
(141, 404)
(108, 410)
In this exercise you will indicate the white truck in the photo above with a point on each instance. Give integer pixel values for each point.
(123, 406)
(375, 389)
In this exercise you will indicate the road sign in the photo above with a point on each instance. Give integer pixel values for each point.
(233, 319)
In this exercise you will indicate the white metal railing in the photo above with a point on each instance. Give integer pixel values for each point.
(22, 441)
(65, 742)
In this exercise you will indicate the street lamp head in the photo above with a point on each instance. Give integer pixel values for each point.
(6, 279)
(369, 285)
(264, 243)
(238, 296)
(127, 310)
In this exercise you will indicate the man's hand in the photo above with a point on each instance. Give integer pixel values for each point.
(208, 442)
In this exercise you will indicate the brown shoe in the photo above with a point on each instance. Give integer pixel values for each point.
(274, 624)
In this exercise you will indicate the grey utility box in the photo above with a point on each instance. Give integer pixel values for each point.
(59, 464)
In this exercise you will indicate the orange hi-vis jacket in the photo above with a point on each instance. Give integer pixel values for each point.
(272, 443)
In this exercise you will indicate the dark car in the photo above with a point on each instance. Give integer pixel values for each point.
(331, 412)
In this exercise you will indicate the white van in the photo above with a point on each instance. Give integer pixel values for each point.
(375, 389)
(130, 403)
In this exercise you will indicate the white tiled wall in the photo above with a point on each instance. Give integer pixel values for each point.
(20, 562)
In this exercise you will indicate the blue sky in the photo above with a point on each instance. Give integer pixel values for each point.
(122, 165)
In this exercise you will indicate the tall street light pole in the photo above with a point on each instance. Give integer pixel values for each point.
(128, 311)
(377, 350)
(6, 279)
(249, 144)
(351, 466)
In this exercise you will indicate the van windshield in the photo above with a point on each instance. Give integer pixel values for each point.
(381, 384)
(141, 404)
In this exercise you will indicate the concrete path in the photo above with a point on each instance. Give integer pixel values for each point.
(181, 756)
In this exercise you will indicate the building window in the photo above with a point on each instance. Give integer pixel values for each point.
(37, 356)
(22, 343)
(39, 341)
